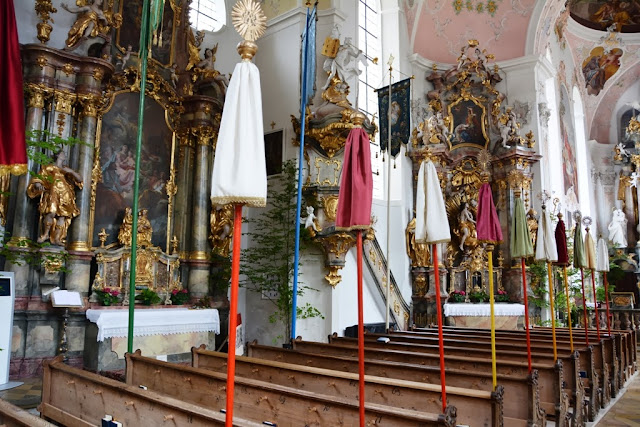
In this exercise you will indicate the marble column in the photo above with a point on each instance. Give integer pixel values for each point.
(184, 196)
(200, 249)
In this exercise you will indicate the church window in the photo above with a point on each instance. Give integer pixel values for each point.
(210, 15)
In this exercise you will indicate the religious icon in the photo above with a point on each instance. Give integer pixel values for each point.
(468, 123)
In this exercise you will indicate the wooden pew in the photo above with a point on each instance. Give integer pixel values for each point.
(12, 416)
(597, 370)
(553, 398)
(509, 353)
(480, 407)
(515, 413)
(77, 398)
(260, 400)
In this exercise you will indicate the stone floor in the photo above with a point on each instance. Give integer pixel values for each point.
(26, 396)
(626, 411)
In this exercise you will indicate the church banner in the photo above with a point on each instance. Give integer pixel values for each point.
(399, 115)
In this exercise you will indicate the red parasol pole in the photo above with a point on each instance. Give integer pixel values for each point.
(233, 313)
(526, 311)
(584, 306)
(360, 330)
(443, 383)
(606, 300)
(595, 302)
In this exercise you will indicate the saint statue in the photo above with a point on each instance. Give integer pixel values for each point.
(145, 231)
(221, 220)
(509, 129)
(55, 186)
(438, 126)
(467, 225)
(345, 64)
(618, 229)
(91, 22)
(419, 253)
(124, 235)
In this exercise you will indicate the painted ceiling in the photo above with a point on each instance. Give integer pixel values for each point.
(623, 15)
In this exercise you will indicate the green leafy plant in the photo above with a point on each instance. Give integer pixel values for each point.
(148, 297)
(501, 296)
(478, 296)
(457, 296)
(107, 296)
(267, 265)
(179, 296)
(538, 271)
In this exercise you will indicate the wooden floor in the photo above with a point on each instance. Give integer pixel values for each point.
(626, 411)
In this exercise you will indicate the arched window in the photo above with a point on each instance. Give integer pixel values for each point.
(371, 78)
(210, 15)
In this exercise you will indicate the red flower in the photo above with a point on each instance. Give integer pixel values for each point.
(114, 292)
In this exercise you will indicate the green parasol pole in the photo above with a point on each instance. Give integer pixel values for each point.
(144, 49)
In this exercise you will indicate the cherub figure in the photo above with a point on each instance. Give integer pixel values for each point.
(122, 61)
(311, 221)
(439, 129)
(174, 75)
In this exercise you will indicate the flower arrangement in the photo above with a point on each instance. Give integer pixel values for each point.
(107, 296)
(148, 297)
(478, 296)
(502, 296)
(457, 296)
(179, 296)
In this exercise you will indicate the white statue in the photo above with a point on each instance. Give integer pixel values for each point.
(439, 128)
(618, 229)
(509, 131)
(635, 176)
(122, 62)
(174, 75)
(621, 150)
(311, 220)
(345, 64)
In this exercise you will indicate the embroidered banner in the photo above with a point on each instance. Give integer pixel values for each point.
(399, 115)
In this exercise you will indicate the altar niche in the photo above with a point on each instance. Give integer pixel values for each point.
(472, 136)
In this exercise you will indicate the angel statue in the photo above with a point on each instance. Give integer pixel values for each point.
(438, 126)
(91, 22)
(618, 229)
(221, 223)
(509, 129)
(55, 185)
(345, 64)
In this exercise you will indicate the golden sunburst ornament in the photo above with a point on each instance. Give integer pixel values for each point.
(248, 19)
(484, 159)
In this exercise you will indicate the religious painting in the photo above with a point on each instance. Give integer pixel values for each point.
(397, 115)
(616, 15)
(467, 118)
(624, 124)
(117, 163)
(569, 164)
(129, 32)
(273, 152)
(599, 67)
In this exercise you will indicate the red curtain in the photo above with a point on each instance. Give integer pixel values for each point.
(356, 186)
(13, 153)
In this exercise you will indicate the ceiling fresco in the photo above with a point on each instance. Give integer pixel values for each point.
(619, 15)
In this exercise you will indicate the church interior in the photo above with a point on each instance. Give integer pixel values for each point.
(228, 212)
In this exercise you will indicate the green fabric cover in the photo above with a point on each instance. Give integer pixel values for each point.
(521, 245)
(579, 254)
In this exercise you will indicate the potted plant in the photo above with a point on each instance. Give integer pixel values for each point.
(478, 296)
(457, 296)
(501, 296)
(179, 296)
(107, 297)
(148, 297)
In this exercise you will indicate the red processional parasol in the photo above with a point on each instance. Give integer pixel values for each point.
(239, 169)
(490, 233)
(563, 261)
(432, 227)
(354, 213)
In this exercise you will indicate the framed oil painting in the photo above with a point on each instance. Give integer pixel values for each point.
(468, 118)
(117, 163)
(129, 32)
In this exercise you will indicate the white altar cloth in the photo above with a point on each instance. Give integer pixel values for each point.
(114, 323)
(476, 310)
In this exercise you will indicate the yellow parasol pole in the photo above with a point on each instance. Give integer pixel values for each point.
(566, 290)
(553, 313)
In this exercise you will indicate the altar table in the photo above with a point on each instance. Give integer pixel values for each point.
(167, 333)
(508, 316)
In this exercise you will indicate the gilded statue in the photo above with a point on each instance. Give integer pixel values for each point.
(221, 222)
(419, 253)
(145, 231)
(92, 21)
(193, 47)
(532, 225)
(55, 185)
(509, 129)
(466, 227)
(439, 128)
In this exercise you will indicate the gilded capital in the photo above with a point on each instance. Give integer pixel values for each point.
(89, 105)
(64, 101)
(36, 94)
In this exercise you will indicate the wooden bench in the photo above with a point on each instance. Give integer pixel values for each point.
(481, 407)
(260, 400)
(553, 398)
(77, 398)
(12, 416)
(515, 413)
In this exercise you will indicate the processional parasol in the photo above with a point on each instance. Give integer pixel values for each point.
(563, 260)
(239, 170)
(546, 250)
(580, 261)
(602, 265)
(590, 252)
(354, 214)
(521, 247)
(432, 227)
(489, 232)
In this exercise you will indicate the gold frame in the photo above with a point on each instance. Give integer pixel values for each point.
(177, 10)
(466, 96)
(95, 174)
(623, 295)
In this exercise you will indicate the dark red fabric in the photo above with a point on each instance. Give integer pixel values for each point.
(561, 244)
(487, 223)
(12, 135)
(356, 184)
